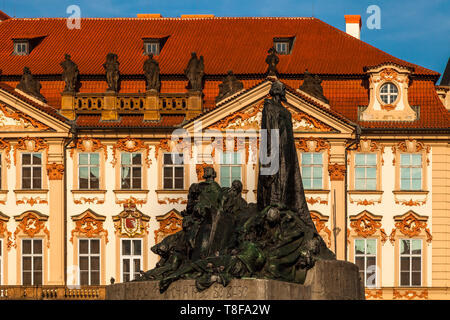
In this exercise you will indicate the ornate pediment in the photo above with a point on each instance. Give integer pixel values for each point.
(14, 120)
(250, 119)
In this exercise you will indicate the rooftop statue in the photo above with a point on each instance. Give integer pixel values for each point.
(313, 86)
(70, 74)
(272, 61)
(30, 85)
(112, 72)
(223, 237)
(151, 72)
(229, 86)
(194, 72)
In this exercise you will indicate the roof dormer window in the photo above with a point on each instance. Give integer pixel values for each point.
(283, 45)
(21, 47)
(152, 46)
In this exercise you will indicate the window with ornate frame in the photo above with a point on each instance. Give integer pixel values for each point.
(32, 261)
(88, 171)
(173, 171)
(366, 228)
(365, 171)
(32, 170)
(410, 237)
(131, 170)
(89, 261)
(230, 168)
(312, 170)
(89, 226)
(388, 93)
(131, 258)
(411, 162)
(410, 262)
(366, 259)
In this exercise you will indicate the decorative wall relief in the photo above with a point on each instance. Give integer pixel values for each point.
(31, 223)
(411, 225)
(131, 145)
(169, 223)
(89, 224)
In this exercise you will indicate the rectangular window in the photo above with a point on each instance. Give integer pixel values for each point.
(21, 48)
(410, 262)
(230, 168)
(131, 258)
(131, 170)
(410, 171)
(173, 171)
(365, 171)
(88, 171)
(312, 169)
(32, 261)
(151, 47)
(366, 260)
(89, 262)
(31, 170)
(282, 47)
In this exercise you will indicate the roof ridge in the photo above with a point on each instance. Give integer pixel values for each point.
(166, 18)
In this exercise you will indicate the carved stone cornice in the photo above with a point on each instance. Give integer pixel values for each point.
(90, 225)
(411, 146)
(4, 233)
(411, 225)
(312, 145)
(86, 144)
(6, 146)
(298, 118)
(31, 223)
(31, 144)
(169, 223)
(319, 221)
(337, 171)
(164, 145)
(20, 120)
(129, 144)
(368, 145)
(374, 294)
(366, 225)
(55, 171)
(410, 294)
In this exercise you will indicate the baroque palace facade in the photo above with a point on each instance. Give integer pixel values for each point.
(88, 183)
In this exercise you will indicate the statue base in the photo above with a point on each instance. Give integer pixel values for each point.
(327, 280)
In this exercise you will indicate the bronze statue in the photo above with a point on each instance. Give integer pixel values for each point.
(112, 72)
(151, 72)
(313, 86)
(229, 86)
(272, 61)
(194, 72)
(223, 237)
(70, 74)
(30, 85)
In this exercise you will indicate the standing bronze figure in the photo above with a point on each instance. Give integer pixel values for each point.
(112, 72)
(70, 74)
(151, 72)
(194, 72)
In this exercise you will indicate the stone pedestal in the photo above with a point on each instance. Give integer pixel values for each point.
(194, 104)
(328, 280)
(151, 111)
(109, 110)
(68, 106)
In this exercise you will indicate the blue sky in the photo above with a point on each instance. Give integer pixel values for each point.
(417, 31)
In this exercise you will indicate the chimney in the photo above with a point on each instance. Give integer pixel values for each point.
(353, 25)
(149, 15)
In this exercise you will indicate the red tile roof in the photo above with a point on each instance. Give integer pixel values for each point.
(129, 121)
(238, 44)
